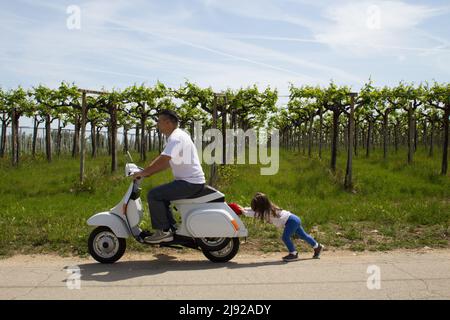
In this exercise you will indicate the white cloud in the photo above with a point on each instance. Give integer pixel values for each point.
(122, 42)
(380, 27)
(114, 42)
(266, 10)
(352, 27)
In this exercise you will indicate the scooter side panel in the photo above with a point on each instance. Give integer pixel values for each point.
(187, 210)
(116, 224)
(210, 223)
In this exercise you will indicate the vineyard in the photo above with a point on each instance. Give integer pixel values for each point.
(331, 117)
(337, 146)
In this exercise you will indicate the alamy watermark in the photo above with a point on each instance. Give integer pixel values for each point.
(374, 280)
(373, 21)
(262, 148)
(73, 21)
(74, 279)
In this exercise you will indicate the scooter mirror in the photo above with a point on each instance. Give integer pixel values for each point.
(129, 156)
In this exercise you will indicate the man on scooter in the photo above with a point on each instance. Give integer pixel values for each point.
(180, 154)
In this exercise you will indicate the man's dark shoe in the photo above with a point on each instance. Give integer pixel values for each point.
(291, 257)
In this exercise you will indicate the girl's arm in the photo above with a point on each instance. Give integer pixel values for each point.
(248, 212)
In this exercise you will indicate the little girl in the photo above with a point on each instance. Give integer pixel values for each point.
(262, 208)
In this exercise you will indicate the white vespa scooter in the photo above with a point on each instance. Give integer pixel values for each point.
(208, 223)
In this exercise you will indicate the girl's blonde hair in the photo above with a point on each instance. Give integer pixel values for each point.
(263, 207)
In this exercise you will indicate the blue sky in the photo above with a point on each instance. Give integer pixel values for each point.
(222, 43)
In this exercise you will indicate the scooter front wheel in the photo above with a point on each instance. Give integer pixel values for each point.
(225, 254)
(104, 246)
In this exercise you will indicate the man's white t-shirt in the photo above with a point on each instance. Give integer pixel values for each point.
(184, 160)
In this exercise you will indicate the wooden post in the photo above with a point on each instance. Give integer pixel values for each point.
(143, 139)
(113, 138)
(445, 146)
(348, 175)
(83, 129)
(369, 134)
(310, 133)
(15, 138)
(430, 153)
(234, 127)
(410, 133)
(137, 145)
(58, 139)
(334, 141)
(125, 139)
(224, 135)
(159, 141)
(320, 131)
(48, 138)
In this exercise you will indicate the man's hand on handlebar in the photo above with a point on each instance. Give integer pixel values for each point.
(137, 175)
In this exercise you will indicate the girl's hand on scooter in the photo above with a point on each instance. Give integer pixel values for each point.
(236, 208)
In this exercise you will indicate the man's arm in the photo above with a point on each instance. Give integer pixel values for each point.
(159, 164)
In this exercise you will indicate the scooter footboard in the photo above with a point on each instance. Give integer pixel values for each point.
(110, 220)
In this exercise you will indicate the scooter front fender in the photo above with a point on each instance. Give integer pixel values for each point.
(112, 221)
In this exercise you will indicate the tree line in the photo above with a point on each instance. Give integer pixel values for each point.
(133, 108)
(314, 117)
(404, 115)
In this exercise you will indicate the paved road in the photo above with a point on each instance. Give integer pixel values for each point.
(337, 275)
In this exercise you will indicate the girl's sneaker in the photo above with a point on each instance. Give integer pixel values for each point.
(317, 251)
(291, 257)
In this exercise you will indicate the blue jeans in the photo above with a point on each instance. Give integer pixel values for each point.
(159, 201)
(294, 225)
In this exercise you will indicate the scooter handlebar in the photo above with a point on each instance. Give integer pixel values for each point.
(131, 169)
(132, 172)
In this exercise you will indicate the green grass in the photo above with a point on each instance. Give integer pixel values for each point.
(43, 207)
(391, 206)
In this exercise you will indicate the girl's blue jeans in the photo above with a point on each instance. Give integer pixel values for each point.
(294, 225)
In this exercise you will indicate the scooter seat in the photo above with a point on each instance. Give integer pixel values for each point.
(207, 194)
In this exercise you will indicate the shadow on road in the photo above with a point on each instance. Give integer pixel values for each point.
(163, 263)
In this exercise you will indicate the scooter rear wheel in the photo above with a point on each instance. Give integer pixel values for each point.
(104, 246)
(213, 244)
(225, 254)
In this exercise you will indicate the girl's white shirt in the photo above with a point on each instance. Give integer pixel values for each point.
(279, 221)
